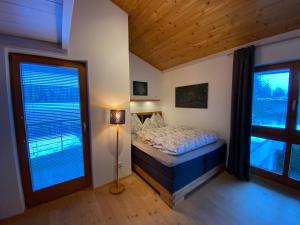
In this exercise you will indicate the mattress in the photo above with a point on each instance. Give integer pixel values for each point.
(172, 160)
(175, 172)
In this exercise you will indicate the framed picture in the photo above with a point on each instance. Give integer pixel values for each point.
(192, 96)
(140, 88)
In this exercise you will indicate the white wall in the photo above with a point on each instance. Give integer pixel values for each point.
(143, 71)
(278, 52)
(99, 35)
(11, 198)
(217, 71)
(140, 70)
(147, 106)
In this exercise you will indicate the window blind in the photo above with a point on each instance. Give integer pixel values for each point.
(51, 102)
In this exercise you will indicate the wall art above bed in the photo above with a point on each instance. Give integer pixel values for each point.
(192, 96)
(140, 88)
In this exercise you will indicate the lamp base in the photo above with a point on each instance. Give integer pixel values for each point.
(116, 189)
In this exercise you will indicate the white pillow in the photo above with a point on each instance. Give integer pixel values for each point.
(154, 121)
(147, 124)
(159, 120)
(136, 124)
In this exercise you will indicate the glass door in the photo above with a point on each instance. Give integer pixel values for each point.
(269, 118)
(275, 140)
(50, 106)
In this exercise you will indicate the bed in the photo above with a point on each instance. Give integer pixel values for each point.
(174, 176)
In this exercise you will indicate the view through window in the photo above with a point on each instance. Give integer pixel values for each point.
(270, 98)
(294, 170)
(267, 154)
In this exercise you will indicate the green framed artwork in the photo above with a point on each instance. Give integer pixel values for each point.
(192, 96)
(140, 88)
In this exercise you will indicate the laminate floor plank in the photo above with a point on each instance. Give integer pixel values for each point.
(221, 201)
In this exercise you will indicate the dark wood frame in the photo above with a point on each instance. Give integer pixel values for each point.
(33, 198)
(289, 135)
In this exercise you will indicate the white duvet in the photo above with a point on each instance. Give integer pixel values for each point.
(177, 140)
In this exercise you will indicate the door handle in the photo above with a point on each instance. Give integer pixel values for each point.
(294, 105)
(84, 127)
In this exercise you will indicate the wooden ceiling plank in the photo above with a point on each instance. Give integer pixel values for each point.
(160, 14)
(232, 29)
(206, 25)
(239, 29)
(221, 18)
(153, 13)
(171, 32)
(170, 26)
(229, 43)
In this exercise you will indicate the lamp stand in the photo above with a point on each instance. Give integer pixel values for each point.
(116, 187)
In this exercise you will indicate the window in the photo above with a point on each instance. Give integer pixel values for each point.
(294, 170)
(270, 98)
(267, 154)
(275, 140)
(51, 105)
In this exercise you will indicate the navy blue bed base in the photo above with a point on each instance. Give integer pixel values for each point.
(176, 177)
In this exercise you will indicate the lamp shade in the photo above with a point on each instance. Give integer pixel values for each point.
(117, 116)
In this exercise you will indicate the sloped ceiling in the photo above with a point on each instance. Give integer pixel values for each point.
(167, 33)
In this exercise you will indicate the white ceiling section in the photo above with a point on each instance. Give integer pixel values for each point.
(35, 19)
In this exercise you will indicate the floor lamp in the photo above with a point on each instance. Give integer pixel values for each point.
(117, 117)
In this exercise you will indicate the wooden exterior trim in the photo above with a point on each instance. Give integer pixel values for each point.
(33, 198)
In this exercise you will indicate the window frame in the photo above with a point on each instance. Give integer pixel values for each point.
(289, 134)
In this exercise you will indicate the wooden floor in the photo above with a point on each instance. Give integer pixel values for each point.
(222, 201)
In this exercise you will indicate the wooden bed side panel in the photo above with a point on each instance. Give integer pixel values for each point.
(172, 199)
(164, 194)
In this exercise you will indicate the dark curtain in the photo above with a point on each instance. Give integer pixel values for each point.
(241, 108)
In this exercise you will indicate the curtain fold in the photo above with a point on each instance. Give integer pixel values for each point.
(241, 108)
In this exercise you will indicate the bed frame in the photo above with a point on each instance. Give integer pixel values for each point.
(144, 115)
(171, 198)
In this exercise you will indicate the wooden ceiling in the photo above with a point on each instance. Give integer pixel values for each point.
(167, 33)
